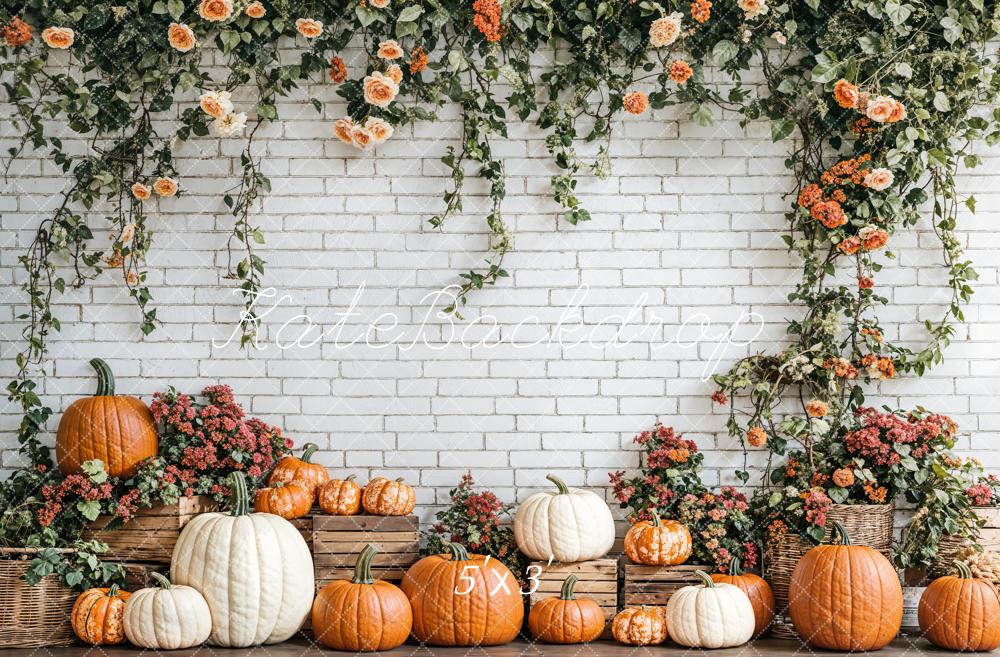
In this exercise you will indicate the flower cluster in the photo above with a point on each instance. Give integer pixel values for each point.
(880, 109)
(720, 527)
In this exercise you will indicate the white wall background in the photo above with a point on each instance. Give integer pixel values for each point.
(688, 227)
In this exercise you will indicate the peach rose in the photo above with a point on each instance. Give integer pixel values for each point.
(380, 90)
(843, 477)
(817, 408)
(390, 50)
(361, 138)
(216, 103)
(255, 10)
(132, 278)
(342, 129)
(181, 37)
(898, 112)
(664, 31)
(880, 108)
(140, 191)
(379, 4)
(310, 28)
(753, 8)
(215, 10)
(379, 129)
(128, 232)
(878, 179)
(635, 102)
(395, 72)
(59, 38)
(165, 186)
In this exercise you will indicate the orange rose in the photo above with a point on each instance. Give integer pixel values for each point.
(310, 28)
(817, 408)
(379, 4)
(132, 278)
(898, 112)
(390, 50)
(216, 103)
(380, 90)
(873, 239)
(342, 129)
(338, 70)
(418, 60)
(361, 138)
(756, 437)
(846, 94)
(880, 108)
(165, 186)
(379, 129)
(843, 477)
(140, 191)
(255, 10)
(17, 33)
(635, 102)
(395, 73)
(59, 38)
(215, 10)
(181, 37)
(680, 71)
(850, 246)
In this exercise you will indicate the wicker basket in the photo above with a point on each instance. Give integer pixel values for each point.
(32, 616)
(948, 549)
(867, 524)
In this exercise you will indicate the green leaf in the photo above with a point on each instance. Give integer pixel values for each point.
(175, 8)
(941, 102)
(366, 15)
(89, 509)
(410, 14)
(781, 128)
(724, 51)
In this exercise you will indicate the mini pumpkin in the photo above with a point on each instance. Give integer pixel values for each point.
(98, 616)
(658, 542)
(639, 626)
(566, 618)
(167, 617)
(710, 615)
(361, 614)
(845, 597)
(388, 497)
(301, 470)
(567, 524)
(758, 591)
(960, 612)
(117, 430)
(339, 497)
(289, 500)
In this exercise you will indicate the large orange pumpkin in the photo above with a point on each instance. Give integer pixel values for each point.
(463, 599)
(339, 497)
(759, 592)
(98, 616)
(301, 470)
(658, 543)
(288, 500)
(387, 497)
(361, 614)
(845, 597)
(959, 612)
(116, 429)
(640, 626)
(566, 618)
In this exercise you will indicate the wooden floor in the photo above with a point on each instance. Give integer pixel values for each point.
(908, 647)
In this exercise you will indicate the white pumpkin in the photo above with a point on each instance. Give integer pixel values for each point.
(254, 570)
(567, 524)
(710, 615)
(167, 617)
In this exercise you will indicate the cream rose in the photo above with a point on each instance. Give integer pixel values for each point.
(342, 129)
(255, 10)
(753, 8)
(215, 10)
(140, 191)
(231, 124)
(310, 28)
(216, 103)
(59, 38)
(181, 37)
(665, 30)
(878, 179)
(880, 108)
(379, 129)
(395, 72)
(128, 232)
(361, 138)
(165, 186)
(380, 90)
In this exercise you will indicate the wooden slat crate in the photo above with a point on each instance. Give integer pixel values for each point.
(305, 525)
(596, 579)
(150, 535)
(338, 540)
(653, 585)
(137, 575)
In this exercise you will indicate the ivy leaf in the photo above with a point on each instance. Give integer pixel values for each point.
(823, 73)
(941, 102)
(904, 70)
(410, 14)
(952, 29)
(366, 15)
(175, 8)
(724, 51)
(781, 128)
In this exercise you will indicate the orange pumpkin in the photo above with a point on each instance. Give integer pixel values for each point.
(300, 470)
(288, 500)
(759, 592)
(463, 599)
(566, 618)
(339, 497)
(361, 614)
(116, 429)
(98, 616)
(387, 497)
(960, 612)
(845, 597)
(639, 626)
(658, 543)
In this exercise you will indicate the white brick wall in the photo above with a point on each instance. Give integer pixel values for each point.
(688, 226)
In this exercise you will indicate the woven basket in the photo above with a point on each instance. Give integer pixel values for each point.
(867, 524)
(32, 616)
(948, 549)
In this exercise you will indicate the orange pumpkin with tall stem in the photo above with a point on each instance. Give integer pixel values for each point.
(300, 469)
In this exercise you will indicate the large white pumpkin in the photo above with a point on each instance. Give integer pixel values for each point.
(567, 524)
(167, 617)
(254, 570)
(710, 615)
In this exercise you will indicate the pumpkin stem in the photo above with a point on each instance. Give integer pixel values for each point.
(567, 587)
(351, 477)
(399, 480)
(105, 378)
(656, 519)
(161, 580)
(962, 570)
(113, 591)
(363, 566)
(458, 552)
(307, 451)
(735, 567)
(705, 578)
(560, 484)
(838, 529)
(239, 497)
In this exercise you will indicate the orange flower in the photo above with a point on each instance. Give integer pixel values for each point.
(777, 528)
(487, 19)
(379, 129)
(132, 278)
(255, 10)
(361, 137)
(17, 33)
(846, 94)
(165, 186)
(829, 213)
(395, 73)
(379, 89)
(873, 332)
(635, 102)
(338, 70)
(679, 455)
(342, 129)
(810, 195)
(873, 239)
(181, 37)
(140, 191)
(850, 246)
(843, 477)
(841, 367)
(875, 494)
(720, 398)
(215, 10)
(115, 260)
(898, 112)
(868, 360)
(865, 283)
(216, 103)
(881, 108)
(756, 437)
(418, 60)
(817, 408)
(310, 28)
(701, 10)
(389, 50)
(680, 71)
(379, 4)
(886, 368)
(59, 38)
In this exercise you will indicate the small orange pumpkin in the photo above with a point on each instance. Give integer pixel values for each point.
(960, 612)
(339, 497)
(387, 497)
(760, 593)
(289, 500)
(300, 470)
(658, 543)
(639, 626)
(98, 616)
(566, 618)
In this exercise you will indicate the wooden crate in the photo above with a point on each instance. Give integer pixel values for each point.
(597, 580)
(138, 575)
(305, 525)
(653, 585)
(150, 535)
(338, 540)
